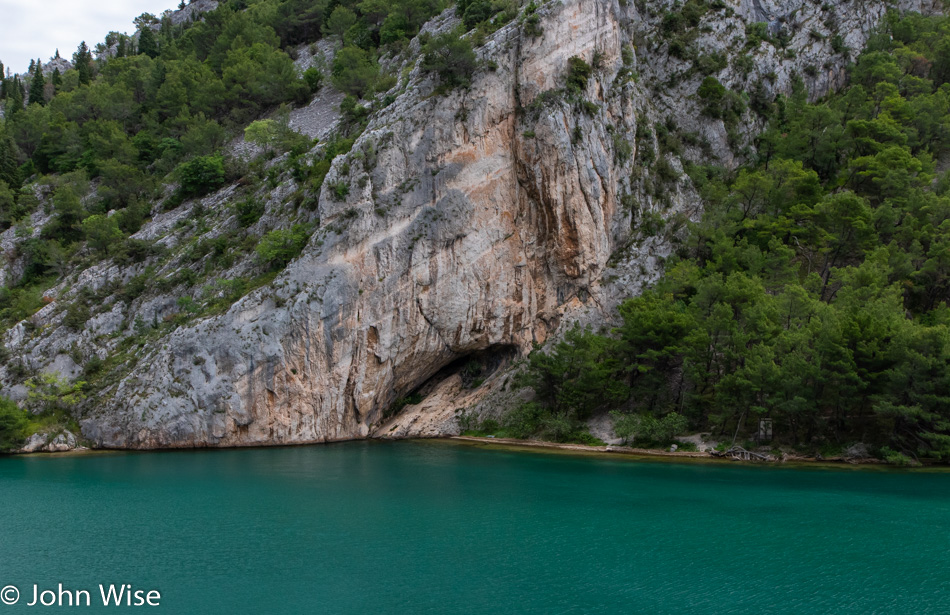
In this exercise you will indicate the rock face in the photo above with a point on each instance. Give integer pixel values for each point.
(48, 443)
(476, 225)
(487, 238)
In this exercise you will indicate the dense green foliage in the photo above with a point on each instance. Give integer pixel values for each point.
(201, 175)
(814, 291)
(451, 57)
(50, 400)
(355, 71)
(157, 108)
(280, 246)
(578, 72)
(13, 423)
(175, 95)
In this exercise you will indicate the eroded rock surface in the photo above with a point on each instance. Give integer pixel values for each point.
(50, 443)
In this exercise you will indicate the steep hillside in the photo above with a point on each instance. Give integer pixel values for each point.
(462, 216)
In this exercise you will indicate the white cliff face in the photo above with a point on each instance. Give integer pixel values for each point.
(476, 225)
(466, 236)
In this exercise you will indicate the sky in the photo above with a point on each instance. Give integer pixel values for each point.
(36, 28)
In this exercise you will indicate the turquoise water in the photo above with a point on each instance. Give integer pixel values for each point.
(432, 527)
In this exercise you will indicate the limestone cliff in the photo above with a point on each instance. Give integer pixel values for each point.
(477, 223)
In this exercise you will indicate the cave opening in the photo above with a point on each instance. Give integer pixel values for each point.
(474, 368)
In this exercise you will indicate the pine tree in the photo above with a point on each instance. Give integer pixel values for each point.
(15, 95)
(147, 43)
(57, 79)
(83, 61)
(56, 57)
(145, 20)
(9, 167)
(166, 28)
(37, 85)
(121, 50)
(32, 66)
(181, 5)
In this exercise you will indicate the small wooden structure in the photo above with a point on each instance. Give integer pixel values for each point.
(740, 454)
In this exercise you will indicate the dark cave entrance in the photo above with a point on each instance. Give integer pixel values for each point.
(474, 368)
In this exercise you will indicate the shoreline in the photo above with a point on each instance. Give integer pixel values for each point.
(681, 456)
(538, 446)
(587, 448)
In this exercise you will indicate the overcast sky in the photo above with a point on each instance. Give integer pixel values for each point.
(36, 28)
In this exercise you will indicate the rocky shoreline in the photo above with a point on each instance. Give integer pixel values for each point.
(51, 442)
(66, 443)
(659, 453)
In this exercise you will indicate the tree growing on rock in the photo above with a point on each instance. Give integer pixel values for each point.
(340, 20)
(280, 246)
(452, 58)
(82, 60)
(201, 175)
(38, 85)
(355, 72)
(52, 393)
(148, 45)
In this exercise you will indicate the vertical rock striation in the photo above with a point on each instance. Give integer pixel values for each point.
(476, 223)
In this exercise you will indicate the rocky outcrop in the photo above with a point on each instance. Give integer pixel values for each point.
(50, 443)
(475, 225)
(192, 11)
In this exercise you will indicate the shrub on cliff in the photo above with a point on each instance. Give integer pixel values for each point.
(248, 211)
(280, 246)
(201, 175)
(476, 12)
(711, 93)
(313, 78)
(276, 134)
(531, 21)
(102, 232)
(355, 72)
(452, 58)
(76, 316)
(49, 393)
(578, 72)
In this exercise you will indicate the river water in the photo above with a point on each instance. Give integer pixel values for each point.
(436, 527)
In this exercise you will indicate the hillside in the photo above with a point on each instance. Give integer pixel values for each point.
(283, 222)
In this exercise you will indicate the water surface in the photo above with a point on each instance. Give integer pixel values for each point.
(430, 527)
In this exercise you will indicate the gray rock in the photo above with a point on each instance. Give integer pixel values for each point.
(858, 450)
(35, 442)
(43, 442)
(65, 441)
